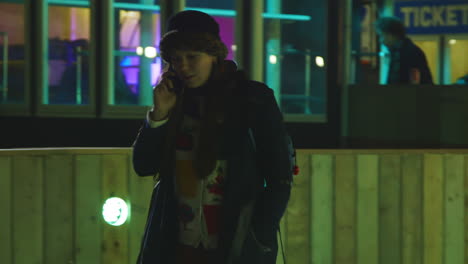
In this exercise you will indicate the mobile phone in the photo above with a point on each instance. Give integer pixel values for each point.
(176, 82)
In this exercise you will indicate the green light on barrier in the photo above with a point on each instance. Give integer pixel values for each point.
(115, 211)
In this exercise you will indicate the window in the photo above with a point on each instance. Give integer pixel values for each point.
(12, 54)
(127, 34)
(364, 68)
(137, 63)
(295, 57)
(458, 54)
(68, 57)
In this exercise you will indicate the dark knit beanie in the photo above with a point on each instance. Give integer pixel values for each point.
(192, 30)
(193, 21)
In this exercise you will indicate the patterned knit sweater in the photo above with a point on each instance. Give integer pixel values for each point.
(199, 200)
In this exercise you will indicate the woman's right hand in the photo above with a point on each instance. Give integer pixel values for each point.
(164, 99)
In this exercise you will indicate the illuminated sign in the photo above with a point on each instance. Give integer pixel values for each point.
(433, 17)
(115, 211)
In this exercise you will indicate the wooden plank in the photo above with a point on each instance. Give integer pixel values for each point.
(367, 210)
(140, 190)
(412, 206)
(380, 151)
(389, 209)
(321, 208)
(28, 214)
(5, 207)
(115, 184)
(63, 151)
(345, 209)
(88, 208)
(454, 221)
(433, 209)
(58, 209)
(298, 224)
(466, 206)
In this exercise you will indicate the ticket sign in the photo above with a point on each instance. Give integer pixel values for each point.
(433, 17)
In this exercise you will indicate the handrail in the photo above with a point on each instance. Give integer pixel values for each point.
(64, 151)
(307, 77)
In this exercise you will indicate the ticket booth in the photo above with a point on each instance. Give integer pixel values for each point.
(440, 29)
(409, 115)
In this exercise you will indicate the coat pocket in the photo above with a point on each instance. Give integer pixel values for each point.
(253, 250)
(263, 248)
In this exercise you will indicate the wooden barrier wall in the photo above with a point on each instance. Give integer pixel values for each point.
(53, 202)
(347, 207)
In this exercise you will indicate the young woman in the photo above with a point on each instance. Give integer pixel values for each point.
(216, 142)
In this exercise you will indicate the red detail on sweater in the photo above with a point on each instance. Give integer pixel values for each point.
(212, 218)
(186, 214)
(296, 170)
(217, 187)
(184, 142)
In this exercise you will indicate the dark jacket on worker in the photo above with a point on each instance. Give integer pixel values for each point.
(404, 57)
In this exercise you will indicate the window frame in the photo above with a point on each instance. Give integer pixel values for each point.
(43, 109)
(24, 108)
(272, 10)
(447, 50)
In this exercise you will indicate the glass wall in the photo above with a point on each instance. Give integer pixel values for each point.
(12, 53)
(364, 66)
(295, 55)
(69, 39)
(458, 52)
(127, 54)
(137, 63)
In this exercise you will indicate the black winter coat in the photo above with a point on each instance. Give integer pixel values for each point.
(254, 140)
